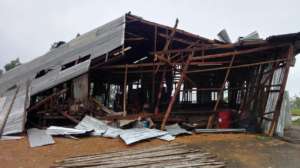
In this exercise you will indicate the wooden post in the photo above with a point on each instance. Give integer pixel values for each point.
(266, 95)
(166, 47)
(154, 74)
(177, 90)
(211, 118)
(161, 85)
(125, 92)
(281, 93)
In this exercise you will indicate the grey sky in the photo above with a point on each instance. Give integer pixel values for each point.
(28, 28)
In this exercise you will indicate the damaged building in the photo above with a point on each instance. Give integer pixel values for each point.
(131, 68)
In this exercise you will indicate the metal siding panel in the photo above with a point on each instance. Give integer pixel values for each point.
(15, 121)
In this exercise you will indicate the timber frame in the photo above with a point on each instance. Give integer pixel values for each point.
(161, 71)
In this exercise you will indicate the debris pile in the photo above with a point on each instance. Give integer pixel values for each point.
(90, 126)
(172, 155)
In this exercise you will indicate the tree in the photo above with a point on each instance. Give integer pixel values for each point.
(295, 102)
(12, 64)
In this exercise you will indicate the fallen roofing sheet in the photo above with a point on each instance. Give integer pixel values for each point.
(112, 132)
(170, 155)
(175, 129)
(90, 123)
(38, 137)
(55, 130)
(5, 138)
(220, 130)
(131, 136)
(167, 137)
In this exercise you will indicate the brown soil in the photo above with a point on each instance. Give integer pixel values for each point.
(233, 148)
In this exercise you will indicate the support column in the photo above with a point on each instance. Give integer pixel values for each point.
(177, 90)
(211, 118)
(125, 92)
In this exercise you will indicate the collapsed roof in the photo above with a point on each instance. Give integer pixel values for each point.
(93, 50)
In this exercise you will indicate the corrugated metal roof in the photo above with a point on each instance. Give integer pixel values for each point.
(95, 43)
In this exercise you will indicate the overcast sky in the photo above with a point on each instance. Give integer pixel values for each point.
(29, 27)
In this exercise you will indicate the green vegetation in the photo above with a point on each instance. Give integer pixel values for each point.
(12, 64)
(263, 138)
(297, 122)
(295, 112)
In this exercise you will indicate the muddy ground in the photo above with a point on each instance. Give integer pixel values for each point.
(237, 150)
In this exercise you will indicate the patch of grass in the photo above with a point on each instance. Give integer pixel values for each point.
(263, 138)
(296, 112)
(296, 122)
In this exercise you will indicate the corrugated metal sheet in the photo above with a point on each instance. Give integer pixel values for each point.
(134, 135)
(6, 138)
(175, 129)
(39, 137)
(7, 108)
(272, 98)
(167, 137)
(2, 102)
(81, 88)
(16, 118)
(112, 132)
(55, 130)
(285, 116)
(95, 43)
(90, 123)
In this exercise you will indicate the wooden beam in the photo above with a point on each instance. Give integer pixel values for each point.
(207, 47)
(237, 53)
(177, 90)
(141, 65)
(135, 39)
(168, 42)
(176, 39)
(237, 66)
(153, 66)
(212, 69)
(45, 100)
(211, 118)
(125, 92)
(282, 89)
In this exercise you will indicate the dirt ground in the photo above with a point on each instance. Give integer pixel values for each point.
(237, 150)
